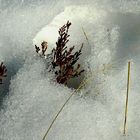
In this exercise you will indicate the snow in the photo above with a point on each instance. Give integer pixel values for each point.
(76, 15)
(30, 98)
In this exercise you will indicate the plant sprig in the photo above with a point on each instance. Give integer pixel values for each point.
(3, 71)
(63, 59)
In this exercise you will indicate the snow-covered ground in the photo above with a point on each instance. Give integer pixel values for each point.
(29, 99)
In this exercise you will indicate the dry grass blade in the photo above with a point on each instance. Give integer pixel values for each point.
(127, 95)
(81, 85)
(86, 37)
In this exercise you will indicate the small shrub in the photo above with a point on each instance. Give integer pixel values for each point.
(63, 59)
(3, 71)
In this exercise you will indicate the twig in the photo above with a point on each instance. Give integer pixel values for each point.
(127, 95)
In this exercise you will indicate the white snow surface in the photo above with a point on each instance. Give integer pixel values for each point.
(29, 97)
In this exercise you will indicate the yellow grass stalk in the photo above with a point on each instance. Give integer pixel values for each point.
(86, 37)
(127, 96)
(83, 83)
(80, 86)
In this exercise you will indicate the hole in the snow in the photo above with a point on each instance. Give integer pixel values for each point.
(75, 82)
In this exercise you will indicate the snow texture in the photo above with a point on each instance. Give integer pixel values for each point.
(29, 97)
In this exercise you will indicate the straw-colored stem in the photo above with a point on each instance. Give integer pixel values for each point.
(81, 85)
(57, 116)
(127, 96)
(86, 36)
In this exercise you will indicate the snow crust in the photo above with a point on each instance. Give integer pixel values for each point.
(30, 98)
